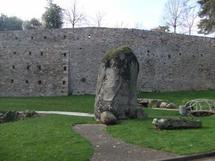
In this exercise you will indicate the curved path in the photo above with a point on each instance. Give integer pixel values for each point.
(107, 148)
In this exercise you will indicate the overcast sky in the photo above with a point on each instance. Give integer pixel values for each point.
(145, 14)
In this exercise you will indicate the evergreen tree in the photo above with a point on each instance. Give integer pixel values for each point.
(10, 23)
(207, 13)
(32, 24)
(53, 16)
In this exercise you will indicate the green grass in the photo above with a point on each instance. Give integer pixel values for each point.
(52, 138)
(48, 138)
(83, 103)
(179, 97)
(189, 141)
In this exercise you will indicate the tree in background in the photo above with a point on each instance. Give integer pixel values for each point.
(53, 16)
(138, 25)
(32, 24)
(189, 15)
(173, 13)
(161, 29)
(10, 23)
(74, 16)
(99, 18)
(207, 13)
(121, 24)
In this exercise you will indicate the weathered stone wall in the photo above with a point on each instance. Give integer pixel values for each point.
(71, 57)
(168, 62)
(32, 65)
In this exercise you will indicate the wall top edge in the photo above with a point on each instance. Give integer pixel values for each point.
(93, 29)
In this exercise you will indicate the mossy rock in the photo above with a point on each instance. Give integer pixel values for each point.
(113, 53)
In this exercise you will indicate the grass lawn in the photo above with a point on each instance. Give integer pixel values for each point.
(48, 138)
(52, 138)
(184, 142)
(83, 103)
(179, 97)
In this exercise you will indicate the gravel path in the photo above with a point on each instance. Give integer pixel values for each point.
(107, 148)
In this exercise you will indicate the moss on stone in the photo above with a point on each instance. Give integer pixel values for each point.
(113, 53)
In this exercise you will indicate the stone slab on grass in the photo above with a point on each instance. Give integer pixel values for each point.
(173, 123)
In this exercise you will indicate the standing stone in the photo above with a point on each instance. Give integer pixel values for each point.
(116, 84)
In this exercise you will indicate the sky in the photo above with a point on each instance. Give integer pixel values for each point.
(145, 14)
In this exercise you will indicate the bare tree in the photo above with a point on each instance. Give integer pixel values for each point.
(73, 16)
(121, 24)
(189, 15)
(173, 13)
(138, 25)
(99, 18)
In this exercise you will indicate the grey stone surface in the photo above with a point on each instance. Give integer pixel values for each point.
(116, 84)
(10, 116)
(171, 123)
(168, 62)
(171, 106)
(143, 102)
(163, 105)
(108, 118)
(155, 102)
(32, 63)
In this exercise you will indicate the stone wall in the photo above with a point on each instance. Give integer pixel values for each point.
(32, 66)
(70, 60)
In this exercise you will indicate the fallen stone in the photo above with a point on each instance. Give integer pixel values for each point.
(163, 105)
(158, 104)
(147, 102)
(10, 116)
(171, 106)
(116, 84)
(30, 113)
(14, 115)
(108, 118)
(170, 123)
(152, 103)
(143, 102)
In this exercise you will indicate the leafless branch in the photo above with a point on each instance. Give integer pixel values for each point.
(173, 12)
(73, 16)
